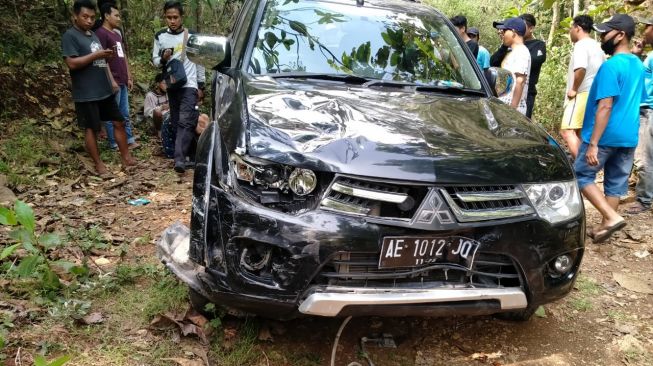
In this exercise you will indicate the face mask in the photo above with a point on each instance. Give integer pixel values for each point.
(609, 46)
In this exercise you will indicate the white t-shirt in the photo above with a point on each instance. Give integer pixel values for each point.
(587, 55)
(518, 61)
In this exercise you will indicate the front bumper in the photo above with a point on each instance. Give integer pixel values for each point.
(302, 246)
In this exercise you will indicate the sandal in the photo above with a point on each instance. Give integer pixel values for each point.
(604, 235)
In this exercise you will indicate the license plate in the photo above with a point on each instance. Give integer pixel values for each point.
(402, 251)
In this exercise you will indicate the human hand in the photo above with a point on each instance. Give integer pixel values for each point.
(105, 53)
(165, 107)
(571, 94)
(200, 95)
(114, 86)
(592, 155)
(130, 84)
(166, 54)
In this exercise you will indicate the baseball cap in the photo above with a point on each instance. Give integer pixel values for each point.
(620, 22)
(473, 30)
(516, 24)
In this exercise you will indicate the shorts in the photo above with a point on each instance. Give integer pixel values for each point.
(616, 162)
(92, 114)
(574, 114)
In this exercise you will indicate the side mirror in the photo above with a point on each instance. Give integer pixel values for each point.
(208, 50)
(500, 80)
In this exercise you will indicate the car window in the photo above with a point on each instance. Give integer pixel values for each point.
(371, 42)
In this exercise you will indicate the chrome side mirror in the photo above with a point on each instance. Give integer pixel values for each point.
(208, 50)
(500, 80)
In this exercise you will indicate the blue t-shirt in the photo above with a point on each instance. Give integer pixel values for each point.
(622, 78)
(648, 80)
(483, 58)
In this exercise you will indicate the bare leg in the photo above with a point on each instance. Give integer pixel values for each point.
(572, 140)
(121, 139)
(90, 142)
(607, 206)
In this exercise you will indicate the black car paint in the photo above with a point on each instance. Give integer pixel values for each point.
(446, 140)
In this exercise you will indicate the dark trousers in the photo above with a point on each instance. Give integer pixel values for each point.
(183, 117)
(530, 103)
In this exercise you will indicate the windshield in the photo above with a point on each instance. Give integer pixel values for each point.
(334, 38)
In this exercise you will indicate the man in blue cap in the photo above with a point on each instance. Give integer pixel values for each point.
(517, 61)
(611, 124)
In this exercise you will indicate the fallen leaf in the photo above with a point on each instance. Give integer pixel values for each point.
(92, 318)
(486, 356)
(264, 334)
(642, 254)
(632, 283)
(185, 362)
(540, 312)
(102, 261)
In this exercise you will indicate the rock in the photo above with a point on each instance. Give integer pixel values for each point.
(629, 343)
(7, 196)
(632, 283)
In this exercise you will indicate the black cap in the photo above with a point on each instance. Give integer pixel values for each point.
(473, 31)
(620, 22)
(516, 24)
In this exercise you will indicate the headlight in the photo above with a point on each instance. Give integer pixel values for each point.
(555, 202)
(302, 181)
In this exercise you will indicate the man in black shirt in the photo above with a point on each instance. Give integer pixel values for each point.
(460, 22)
(537, 48)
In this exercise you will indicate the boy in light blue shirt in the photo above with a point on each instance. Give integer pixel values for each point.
(611, 124)
(483, 58)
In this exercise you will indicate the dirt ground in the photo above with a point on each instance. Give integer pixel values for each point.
(606, 320)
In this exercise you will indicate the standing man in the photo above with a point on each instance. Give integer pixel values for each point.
(644, 190)
(610, 128)
(460, 22)
(585, 61)
(537, 49)
(110, 38)
(517, 61)
(169, 44)
(483, 58)
(91, 84)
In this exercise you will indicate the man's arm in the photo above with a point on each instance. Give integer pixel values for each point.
(579, 75)
(80, 62)
(600, 123)
(497, 58)
(156, 48)
(520, 81)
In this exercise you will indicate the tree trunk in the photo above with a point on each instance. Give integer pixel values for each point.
(576, 8)
(198, 15)
(554, 22)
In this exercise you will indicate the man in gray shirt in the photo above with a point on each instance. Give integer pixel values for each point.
(91, 84)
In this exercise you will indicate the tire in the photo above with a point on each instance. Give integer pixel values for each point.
(517, 316)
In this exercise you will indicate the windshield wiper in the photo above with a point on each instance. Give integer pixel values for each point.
(391, 83)
(345, 78)
(452, 89)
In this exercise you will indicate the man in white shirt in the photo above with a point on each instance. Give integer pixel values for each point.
(517, 61)
(585, 61)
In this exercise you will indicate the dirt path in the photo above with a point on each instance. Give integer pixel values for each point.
(603, 322)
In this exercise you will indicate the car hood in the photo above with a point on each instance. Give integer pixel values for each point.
(386, 133)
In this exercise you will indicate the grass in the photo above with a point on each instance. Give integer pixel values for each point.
(581, 304)
(587, 286)
(244, 351)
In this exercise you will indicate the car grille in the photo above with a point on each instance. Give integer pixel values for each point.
(360, 269)
(392, 200)
(373, 198)
(482, 203)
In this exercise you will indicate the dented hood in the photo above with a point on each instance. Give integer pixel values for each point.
(388, 133)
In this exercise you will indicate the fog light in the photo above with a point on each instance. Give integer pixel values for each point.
(563, 264)
(302, 181)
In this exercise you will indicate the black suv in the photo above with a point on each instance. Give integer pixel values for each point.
(359, 163)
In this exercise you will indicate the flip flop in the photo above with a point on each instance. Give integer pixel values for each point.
(637, 208)
(607, 233)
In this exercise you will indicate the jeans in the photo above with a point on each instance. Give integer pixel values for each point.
(616, 162)
(122, 99)
(644, 190)
(183, 117)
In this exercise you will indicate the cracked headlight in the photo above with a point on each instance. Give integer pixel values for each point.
(555, 202)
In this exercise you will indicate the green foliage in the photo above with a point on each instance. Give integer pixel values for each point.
(35, 263)
(41, 361)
